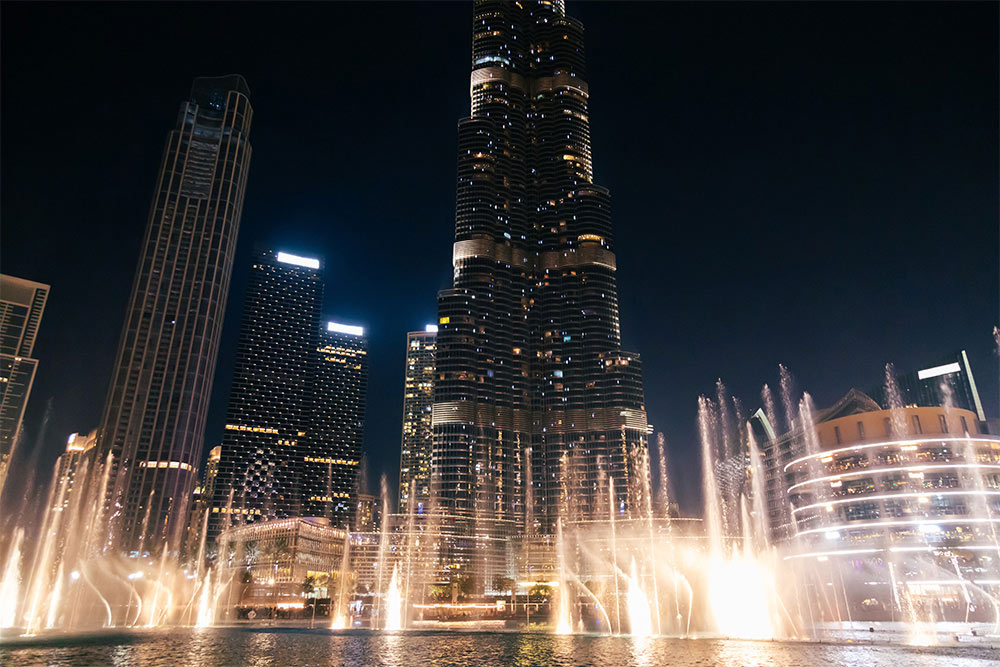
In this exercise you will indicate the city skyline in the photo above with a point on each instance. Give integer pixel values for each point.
(743, 365)
(732, 398)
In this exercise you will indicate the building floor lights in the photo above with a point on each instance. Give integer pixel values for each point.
(890, 443)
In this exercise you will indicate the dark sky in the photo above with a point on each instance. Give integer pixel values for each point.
(813, 184)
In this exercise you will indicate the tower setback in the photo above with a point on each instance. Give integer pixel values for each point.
(536, 406)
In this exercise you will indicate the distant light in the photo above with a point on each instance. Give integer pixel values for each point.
(135, 575)
(345, 328)
(832, 535)
(74, 575)
(307, 262)
(938, 370)
(431, 328)
(930, 528)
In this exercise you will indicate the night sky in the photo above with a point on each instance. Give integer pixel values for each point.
(810, 184)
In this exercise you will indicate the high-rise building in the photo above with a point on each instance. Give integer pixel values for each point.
(68, 465)
(418, 401)
(367, 514)
(270, 401)
(295, 427)
(536, 407)
(948, 381)
(21, 305)
(201, 501)
(211, 471)
(153, 422)
(331, 454)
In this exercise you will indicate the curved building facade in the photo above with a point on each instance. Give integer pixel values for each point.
(907, 503)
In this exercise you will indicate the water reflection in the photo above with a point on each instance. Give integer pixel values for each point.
(642, 651)
(256, 647)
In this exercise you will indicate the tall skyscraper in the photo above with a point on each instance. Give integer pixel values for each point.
(418, 401)
(21, 305)
(153, 422)
(331, 455)
(536, 406)
(295, 426)
(270, 402)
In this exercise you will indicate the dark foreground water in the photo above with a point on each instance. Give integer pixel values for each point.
(288, 647)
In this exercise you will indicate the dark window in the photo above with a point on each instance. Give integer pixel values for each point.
(861, 430)
(836, 433)
(944, 423)
(916, 425)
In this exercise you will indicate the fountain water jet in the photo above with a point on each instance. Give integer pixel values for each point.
(564, 622)
(394, 603)
(11, 583)
(340, 614)
(206, 603)
(639, 615)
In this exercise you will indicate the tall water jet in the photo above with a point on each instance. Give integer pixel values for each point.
(11, 583)
(206, 603)
(663, 499)
(895, 400)
(787, 386)
(639, 616)
(383, 549)
(55, 599)
(564, 620)
(737, 589)
(614, 553)
(340, 613)
(758, 497)
(412, 543)
(394, 602)
(710, 489)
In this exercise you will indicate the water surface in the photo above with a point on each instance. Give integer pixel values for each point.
(294, 647)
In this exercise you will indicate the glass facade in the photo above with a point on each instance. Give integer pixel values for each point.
(153, 424)
(536, 406)
(295, 425)
(418, 401)
(270, 399)
(331, 456)
(21, 305)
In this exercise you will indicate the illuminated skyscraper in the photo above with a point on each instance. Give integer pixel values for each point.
(21, 305)
(331, 455)
(154, 417)
(270, 401)
(536, 406)
(295, 426)
(418, 400)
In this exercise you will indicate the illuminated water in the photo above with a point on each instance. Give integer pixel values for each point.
(293, 646)
(628, 573)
